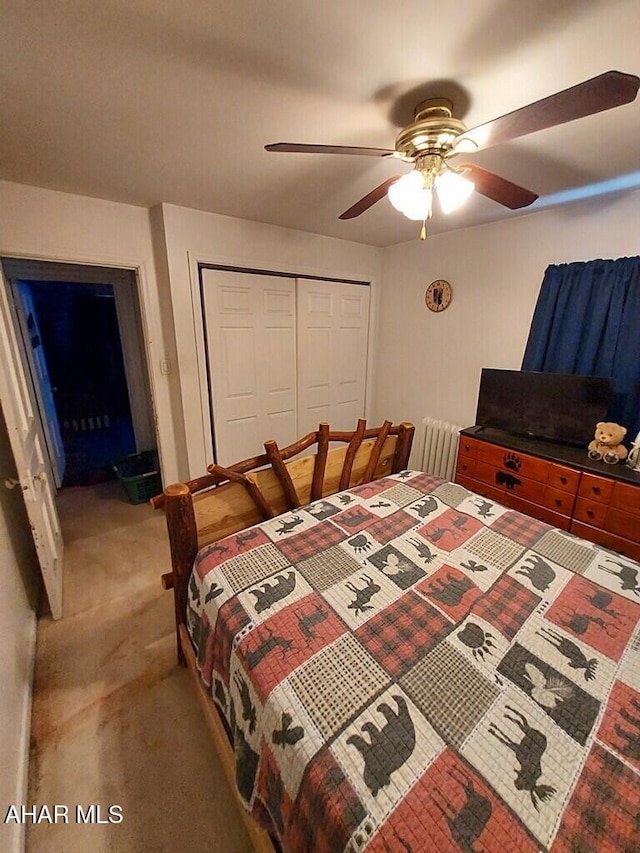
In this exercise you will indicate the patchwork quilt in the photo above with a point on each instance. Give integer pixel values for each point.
(408, 666)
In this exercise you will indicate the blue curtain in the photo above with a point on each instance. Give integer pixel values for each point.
(587, 321)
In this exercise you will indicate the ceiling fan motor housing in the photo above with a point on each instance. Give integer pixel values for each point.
(433, 131)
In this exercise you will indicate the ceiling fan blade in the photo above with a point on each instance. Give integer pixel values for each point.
(369, 199)
(498, 189)
(608, 90)
(300, 148)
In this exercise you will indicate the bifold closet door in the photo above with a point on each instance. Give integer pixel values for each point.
(250, 335)
(333, 323)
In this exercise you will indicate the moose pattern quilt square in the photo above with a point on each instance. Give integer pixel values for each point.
(407, 666)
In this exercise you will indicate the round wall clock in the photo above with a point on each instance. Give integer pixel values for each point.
(438, 295)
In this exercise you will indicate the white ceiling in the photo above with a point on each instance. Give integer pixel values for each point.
(148, 101)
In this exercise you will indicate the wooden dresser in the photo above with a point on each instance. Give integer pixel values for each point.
(556, 484)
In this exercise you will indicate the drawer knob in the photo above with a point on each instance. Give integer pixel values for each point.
(464, 466)
(467, 446)
(590, 513)
(563, 480)
(558, 502)
(596, 490)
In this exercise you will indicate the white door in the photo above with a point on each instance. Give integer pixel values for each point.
(37, 363)
(333, 324)
(251, 350)
(27, 443)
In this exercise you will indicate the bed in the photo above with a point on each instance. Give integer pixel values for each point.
(401, 664)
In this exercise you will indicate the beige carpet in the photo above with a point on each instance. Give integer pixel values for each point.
(115, 720)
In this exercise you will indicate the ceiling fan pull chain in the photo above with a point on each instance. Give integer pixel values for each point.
(423, 230)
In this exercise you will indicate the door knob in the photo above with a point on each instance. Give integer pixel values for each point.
(11, 483)
(42, 476)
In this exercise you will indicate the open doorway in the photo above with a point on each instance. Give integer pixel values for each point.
(82, 336)
(77, 329)
(28, 395)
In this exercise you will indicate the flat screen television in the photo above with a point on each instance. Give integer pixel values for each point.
(553, 406)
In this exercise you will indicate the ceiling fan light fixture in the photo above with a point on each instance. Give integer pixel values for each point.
(420, 207)
(412, 196)
(453, 190)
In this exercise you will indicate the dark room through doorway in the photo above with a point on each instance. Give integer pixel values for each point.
(83, 341)
(79, 333)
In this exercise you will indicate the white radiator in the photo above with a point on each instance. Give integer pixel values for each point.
(440, 447)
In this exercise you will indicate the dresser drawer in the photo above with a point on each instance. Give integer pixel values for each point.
(607, 540)
(541, 513)
(558, 500)
(510, 483)
(623, 524)
(596, 488)
(467, 446)
(627, 498)
(467, 482)
(590, 511)
(561, 477)
(512, 462)
(466, 466)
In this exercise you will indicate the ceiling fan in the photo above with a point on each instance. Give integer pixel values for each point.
(435, 138)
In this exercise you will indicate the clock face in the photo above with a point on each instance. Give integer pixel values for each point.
(438, 295)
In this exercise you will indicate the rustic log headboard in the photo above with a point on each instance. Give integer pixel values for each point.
(230, 499)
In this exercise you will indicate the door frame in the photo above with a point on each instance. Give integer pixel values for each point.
(148, 311)
(130, 314)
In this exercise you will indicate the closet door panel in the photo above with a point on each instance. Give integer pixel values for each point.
(280, 418)
(333, 320)
(279, 371)
(351, 353)
(233, 352)
(314, 355)
(346, 414)
(314, 372)
(239, 439)
(251, 350)
(315, 363)
(279, 399)
(239, 381)
(347, 359)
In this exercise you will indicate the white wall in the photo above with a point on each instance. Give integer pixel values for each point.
(49, 225)
(193, 237)
(429, 364)
(18, 581)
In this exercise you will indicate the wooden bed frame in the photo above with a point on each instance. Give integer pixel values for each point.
(228, 500)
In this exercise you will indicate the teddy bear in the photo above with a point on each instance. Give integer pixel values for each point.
(607, 443)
